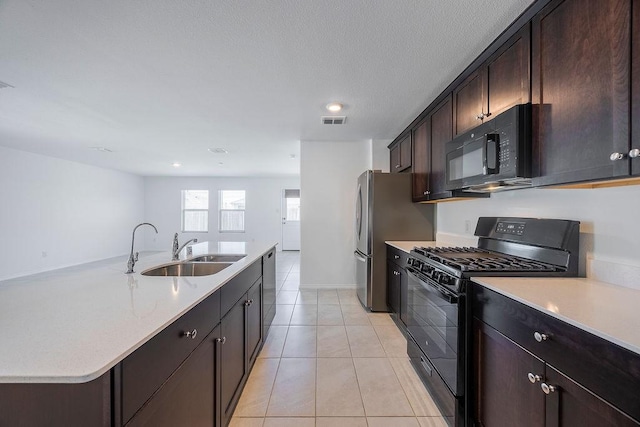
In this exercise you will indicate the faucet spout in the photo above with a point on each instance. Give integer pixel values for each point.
(177, 249)
(133, 259)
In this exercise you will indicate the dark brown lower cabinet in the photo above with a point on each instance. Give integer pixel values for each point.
(393, 288)
(503, 393)
(530, 369)
(189, 396)
(242, 338)
(570, 404)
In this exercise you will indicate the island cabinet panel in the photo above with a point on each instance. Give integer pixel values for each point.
(238, 286)
(57, 405)
(580, 373)
(580, 90)
(189, 396)
(233, 357)
(151, 365)
(268, 291)
(254, 322)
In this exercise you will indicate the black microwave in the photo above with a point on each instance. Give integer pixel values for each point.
(493, 156)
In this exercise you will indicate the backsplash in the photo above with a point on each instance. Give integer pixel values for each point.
(609, 238)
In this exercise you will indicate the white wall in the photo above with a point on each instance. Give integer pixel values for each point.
(328, 176)
(263, 219)
(609, 219)
(56, 213)
(380, 154)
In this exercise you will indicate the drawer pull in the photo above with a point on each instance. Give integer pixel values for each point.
(540, 337)
(548, 389)
(191, 334)
(222, 340)
(396, 257)
(533, 378)
(395, 273)
(248, 302)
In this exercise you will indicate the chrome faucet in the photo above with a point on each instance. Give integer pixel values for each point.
(133, 259)
(177, 248)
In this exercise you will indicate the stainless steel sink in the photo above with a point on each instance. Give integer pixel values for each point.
(187, 269)
(217, 258)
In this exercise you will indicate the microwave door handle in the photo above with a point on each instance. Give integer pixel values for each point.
(490, 158)
(450, 298)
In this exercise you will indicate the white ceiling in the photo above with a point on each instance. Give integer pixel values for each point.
(161, 81)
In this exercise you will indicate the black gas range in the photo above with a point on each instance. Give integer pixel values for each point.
(438, 279)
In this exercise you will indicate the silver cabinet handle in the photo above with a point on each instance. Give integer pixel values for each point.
(617, 156)
(426, 193)
(548, 389)
(396, 257)
(480, 116)
(248, 302)
(533, 378)
(191, 334)
(540, 337)
(397, 166)
(222, 340)
(634, 152)
(395, 273)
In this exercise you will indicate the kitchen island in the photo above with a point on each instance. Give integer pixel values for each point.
(80, 326)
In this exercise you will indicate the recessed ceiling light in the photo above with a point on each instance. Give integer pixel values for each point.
(218, 151)
(103, 149)
(334, 107)
(220, 163)
(176, 165)
(293, 156)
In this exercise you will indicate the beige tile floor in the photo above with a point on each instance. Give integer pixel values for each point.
(329, 363)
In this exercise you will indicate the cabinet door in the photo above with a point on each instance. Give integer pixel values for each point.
(188, 397)
(405, 153)
(394, 158)
(254, 322)
(232, 359)
(570, 404)
(507, 73)
(504, 395)
(268, 291)
(635, 89)
(441, 133)
(421, 161)
(580, 63)
(393, 287)
(469, 102)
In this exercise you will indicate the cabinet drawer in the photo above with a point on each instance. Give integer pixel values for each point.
(607, 369)
(144, 371)
(397, 256)
(231, 292)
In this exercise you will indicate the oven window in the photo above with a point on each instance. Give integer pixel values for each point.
(466, 165)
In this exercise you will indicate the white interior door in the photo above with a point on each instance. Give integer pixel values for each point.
(291, 220)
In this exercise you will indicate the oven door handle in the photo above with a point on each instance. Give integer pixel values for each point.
(432, 287)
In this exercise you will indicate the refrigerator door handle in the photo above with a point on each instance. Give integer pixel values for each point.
(359, 257)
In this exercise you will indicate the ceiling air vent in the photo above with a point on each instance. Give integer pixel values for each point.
(333, 120)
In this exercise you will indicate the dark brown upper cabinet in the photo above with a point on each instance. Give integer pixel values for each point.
(400, 155)
(441, 132)
(500, 83)
(635, 93)
(580, 91)
(421, 160)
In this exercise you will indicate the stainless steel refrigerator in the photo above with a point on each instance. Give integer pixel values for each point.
(384, 211)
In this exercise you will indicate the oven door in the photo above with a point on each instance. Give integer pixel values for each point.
(434, 316)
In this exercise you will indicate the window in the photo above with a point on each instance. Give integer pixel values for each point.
(195, 210)
(232, 205)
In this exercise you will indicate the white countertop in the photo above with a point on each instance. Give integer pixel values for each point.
(609, 311)
(74, 324)
(406, 246)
